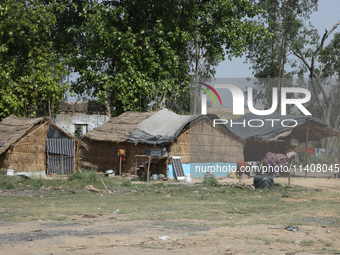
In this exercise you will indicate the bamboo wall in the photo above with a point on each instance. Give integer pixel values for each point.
(201, 142)
(104, 156)
(28, 154)
(181, 146)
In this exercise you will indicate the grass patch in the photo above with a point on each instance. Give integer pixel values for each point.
(307, 243)
(218, 206)
(87, 177)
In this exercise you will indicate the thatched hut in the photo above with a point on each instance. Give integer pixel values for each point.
(36, 144)
(192, 138)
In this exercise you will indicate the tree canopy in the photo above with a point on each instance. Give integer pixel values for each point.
(30, 71)
(135, 54)
(138, 54)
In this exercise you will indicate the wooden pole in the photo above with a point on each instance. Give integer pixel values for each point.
(307, 147)
(47, 165)
(120, 165)
(75, 157)
(104, 185)
(289, 177)
(167, 167)
(136, 172)
(62, 165)
(147, 174)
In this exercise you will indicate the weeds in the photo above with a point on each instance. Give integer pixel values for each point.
(126, 183)
(37, 183)
(7, 182)
(307, 243)
(285, 192)
(210, 182)
(87, 177)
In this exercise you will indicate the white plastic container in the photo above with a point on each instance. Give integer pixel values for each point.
(188, 179)
(10, 172)
(154, 177)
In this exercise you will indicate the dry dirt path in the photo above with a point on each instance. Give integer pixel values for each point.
(107, 236)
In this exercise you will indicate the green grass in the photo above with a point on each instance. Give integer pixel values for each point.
(307, 243)
(226, 206)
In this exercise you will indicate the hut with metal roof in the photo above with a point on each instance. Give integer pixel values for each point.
(192, 138)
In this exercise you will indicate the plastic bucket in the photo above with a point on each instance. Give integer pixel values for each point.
(154, 177)
(10, 172)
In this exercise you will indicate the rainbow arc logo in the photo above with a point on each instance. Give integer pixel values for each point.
(209, 93)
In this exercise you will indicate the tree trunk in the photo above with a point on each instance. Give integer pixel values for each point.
(196, 74)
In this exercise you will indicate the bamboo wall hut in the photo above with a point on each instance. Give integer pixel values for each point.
(36, 144)
(192, 138)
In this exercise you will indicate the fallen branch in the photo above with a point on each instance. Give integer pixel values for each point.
(108, 191)
(93, 189)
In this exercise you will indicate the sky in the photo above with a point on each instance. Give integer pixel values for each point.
(327, 15)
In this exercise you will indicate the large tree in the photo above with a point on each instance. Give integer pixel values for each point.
(309, 52)
(219, 29)
(137, 53)
(30, 71)
(273, 58)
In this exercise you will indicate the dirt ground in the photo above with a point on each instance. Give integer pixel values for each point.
(105, 234)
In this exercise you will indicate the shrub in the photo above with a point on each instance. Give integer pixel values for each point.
(285, 192)
(126, 183)
(93, 176)
(87, 177)
(210, 182)
(7, 182)
(37, 183)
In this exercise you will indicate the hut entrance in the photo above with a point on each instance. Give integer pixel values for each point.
(59, 152)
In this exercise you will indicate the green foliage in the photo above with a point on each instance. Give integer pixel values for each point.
(8, 182)
(126, 183)
(232, 190)
(30, 71)
(285, 192)
(307, 243)
(143, 63)
(87, 177)
(37, 183)
(270, 57)
(330, 58)
(210, 182)
(284, 20)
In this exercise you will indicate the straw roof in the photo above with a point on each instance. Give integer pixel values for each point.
(13, 128)
(117, 129)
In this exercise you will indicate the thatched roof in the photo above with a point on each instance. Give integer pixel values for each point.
(13, 129)
(90, 107)
(117, 129)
